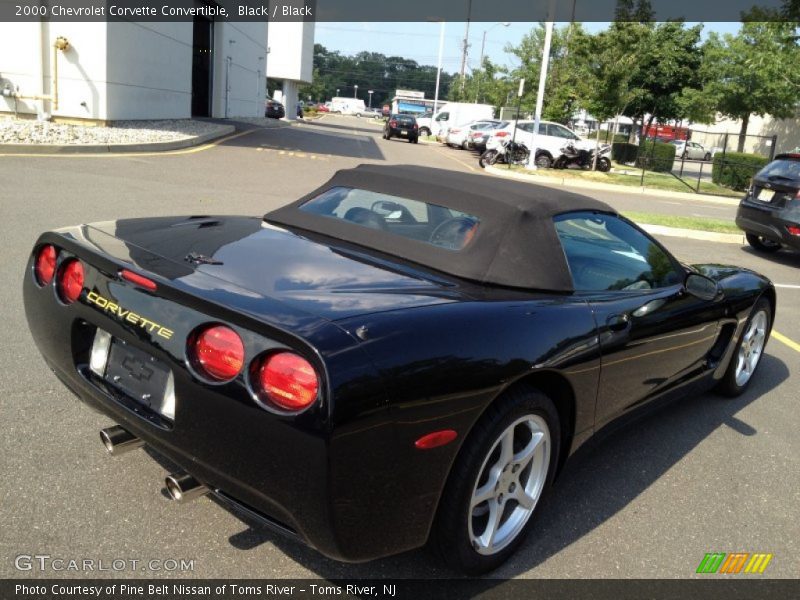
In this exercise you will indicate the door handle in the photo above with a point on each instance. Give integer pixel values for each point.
(618, 322)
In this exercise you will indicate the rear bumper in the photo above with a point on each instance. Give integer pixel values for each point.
(334, 488)
(766, 223)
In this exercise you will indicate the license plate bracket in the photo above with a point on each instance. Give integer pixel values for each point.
(137, 374)
(765, 195)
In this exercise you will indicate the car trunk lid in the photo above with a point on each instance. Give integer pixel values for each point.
(316, 276)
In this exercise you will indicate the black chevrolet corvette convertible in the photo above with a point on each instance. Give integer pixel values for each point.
(403, 355)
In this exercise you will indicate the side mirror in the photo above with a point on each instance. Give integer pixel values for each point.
(702, 287)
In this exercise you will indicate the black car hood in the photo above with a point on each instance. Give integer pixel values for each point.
(318, 277)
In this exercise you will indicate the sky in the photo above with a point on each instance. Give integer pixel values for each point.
(420, 41)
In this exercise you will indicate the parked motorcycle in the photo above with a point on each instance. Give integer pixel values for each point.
(572, 156)
(504, 151)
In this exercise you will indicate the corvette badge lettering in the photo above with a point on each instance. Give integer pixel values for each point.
(126, 315)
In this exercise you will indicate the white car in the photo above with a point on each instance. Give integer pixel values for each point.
(690, 150)
(460, 137)
(551, 139)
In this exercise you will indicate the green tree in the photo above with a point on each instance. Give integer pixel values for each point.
(753, 72)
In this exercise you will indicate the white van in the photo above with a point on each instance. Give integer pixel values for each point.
(453, 114)
(348, 106)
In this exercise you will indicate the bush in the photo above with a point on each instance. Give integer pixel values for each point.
(657, 157)
(623, 152)
(736, 169)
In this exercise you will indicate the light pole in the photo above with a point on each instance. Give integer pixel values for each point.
(370, 97)
(548, 36)
(438, 68)
(483, 46)
(355, 91)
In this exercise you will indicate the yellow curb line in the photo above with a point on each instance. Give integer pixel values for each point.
(785, 340)
(458, 160)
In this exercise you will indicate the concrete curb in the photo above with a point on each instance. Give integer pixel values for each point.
(694, 234)
(223, 131)
(624, 189)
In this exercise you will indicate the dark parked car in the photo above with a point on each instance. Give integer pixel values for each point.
(404, 354)
(274, 110)
(402, 126)
(770, 212)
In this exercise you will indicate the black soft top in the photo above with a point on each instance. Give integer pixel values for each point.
(516, 243)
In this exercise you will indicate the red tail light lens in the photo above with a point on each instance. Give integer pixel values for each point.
(70, 281)
(288, 381)
(217, 352)
(392, 123)
(45, 266)
(501, 134)
(793, 229)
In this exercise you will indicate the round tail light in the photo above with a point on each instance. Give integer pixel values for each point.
(218, 353)
(45, 266)
(70, 280)
(288, 381)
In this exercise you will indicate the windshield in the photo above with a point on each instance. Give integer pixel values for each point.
(412, 219)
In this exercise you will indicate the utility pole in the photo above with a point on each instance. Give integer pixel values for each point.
(465, 48)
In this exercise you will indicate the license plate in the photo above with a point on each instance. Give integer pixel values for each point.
(403, 133)
(766, 195)
(137, 374)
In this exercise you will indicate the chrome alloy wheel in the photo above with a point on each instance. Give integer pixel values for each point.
(751, 347)
(509, 484)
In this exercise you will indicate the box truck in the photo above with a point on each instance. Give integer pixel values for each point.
(348, 106)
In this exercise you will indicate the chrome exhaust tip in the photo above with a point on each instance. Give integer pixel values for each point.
(118, 440)
(182, 487)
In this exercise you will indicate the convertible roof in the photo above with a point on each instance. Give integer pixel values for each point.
(516, 243)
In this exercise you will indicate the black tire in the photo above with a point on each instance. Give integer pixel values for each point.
(707, 157)
(603, 164)
(450, 536)
(464, 145)
(544, 161)
(416, 140)
(762, 244)
(489, 157)
(728, 385)
(424, 131)
(410, 140)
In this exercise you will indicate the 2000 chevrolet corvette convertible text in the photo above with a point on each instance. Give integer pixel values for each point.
(403, 355)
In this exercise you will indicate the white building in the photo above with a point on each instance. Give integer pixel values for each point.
(137, 70)
(290, 58)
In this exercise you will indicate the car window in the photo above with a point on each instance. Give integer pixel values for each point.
(605, 252)
(559, 131)
(780, 169)
(414, 219)
(443, 116)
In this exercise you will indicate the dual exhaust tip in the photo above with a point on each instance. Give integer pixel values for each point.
(181, 487)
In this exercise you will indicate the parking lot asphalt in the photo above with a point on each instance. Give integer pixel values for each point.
(705, 474)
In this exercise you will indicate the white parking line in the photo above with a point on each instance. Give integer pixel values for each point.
(787, 286)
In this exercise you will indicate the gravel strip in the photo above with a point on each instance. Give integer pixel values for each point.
(14, 131)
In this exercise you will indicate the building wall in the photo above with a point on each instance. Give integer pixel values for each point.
(149, 74)
(787, 130)
(131, 70)
(291, 51)
(245, 73)
(25, 62)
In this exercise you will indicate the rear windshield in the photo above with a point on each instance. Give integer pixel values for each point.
(403, 120)
(413, 219)
(783, 168)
